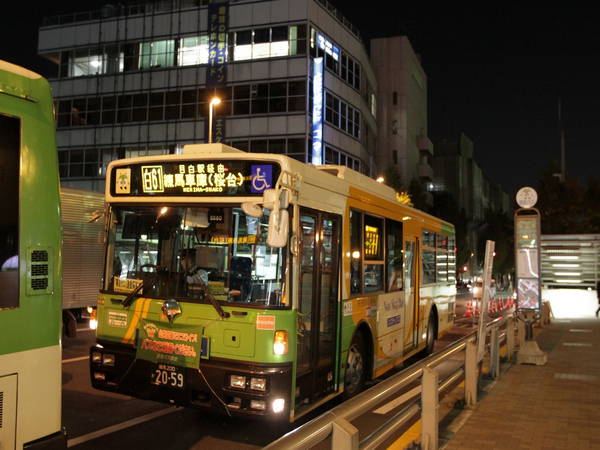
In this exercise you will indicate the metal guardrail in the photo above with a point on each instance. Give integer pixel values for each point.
(335, 423)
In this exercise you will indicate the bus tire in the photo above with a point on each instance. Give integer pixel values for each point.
(431, 334)
(356, 367)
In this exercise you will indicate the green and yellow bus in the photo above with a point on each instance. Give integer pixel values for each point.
(30, 269)
(258, 286)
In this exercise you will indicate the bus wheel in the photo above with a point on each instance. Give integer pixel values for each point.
(431, 334)
(355, 367)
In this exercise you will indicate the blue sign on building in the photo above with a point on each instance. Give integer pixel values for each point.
(317, 113)
(218, 27)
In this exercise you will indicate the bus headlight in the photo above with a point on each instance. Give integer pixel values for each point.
(258, 384)
(280, 343)
(237, 381)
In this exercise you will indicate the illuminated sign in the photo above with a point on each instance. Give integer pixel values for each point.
(217, 44)
(190, 178)
(328, 47)
(126, 285)
(251, 239)
(371, 241)
(317, 116)
(183, 178)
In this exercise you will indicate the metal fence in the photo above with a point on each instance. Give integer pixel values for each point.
(335, 424)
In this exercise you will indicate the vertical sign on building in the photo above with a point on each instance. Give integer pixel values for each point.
(216, 76)
(317, 113)
(218, 27)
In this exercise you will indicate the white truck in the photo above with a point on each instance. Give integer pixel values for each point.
(82, 225)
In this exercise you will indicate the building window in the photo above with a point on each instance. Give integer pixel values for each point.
(244, 45)
(193, 51)
(265, 43)
(157, 54)
(86, 62)
(341, 115)
(264, 98)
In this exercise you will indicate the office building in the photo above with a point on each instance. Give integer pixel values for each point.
(293, 77)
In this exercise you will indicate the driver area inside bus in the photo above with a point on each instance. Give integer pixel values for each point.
(193, 253)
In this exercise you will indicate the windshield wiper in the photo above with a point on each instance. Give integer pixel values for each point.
(213, 301)
(149, 281)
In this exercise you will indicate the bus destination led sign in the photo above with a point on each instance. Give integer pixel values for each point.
(183, 178)
(371, 241)
(203, 178)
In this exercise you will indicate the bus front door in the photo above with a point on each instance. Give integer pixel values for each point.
(318, 293)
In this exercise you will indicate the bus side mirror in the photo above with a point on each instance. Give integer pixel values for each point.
(279, 228)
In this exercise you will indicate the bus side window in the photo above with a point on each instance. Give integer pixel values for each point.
(355, 252)
(394, 257)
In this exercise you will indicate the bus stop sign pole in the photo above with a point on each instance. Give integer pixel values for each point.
(528, 273)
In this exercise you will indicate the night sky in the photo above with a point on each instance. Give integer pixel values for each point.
(495, 70)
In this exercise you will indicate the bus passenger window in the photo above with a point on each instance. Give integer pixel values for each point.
(373, 277)
(373, 251)
(428, 266)
(394, 256)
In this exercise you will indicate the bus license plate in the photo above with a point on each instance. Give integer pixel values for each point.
(168, 375)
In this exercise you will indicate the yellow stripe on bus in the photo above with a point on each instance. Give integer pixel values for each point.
(141, 311)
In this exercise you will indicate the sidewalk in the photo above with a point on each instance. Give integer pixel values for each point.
(554, 406)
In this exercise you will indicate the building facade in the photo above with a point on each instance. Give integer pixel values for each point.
(402, 110)
(293, 77)
(457, 173)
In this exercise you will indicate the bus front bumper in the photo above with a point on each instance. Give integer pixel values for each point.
(235, 389)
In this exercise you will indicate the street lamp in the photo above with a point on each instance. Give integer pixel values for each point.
(213, 102)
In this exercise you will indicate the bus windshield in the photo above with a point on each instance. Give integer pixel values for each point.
(192, 252)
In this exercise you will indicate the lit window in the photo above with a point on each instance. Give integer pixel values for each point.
(193, 51)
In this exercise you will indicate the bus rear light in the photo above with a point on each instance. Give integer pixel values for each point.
(280, 343)
(97, 358)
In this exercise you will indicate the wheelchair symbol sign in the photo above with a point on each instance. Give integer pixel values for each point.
(262, 178)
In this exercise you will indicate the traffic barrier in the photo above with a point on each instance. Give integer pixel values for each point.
(469, 312)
